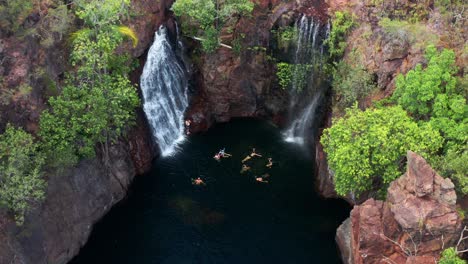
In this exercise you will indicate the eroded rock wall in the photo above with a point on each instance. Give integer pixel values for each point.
(416, 222)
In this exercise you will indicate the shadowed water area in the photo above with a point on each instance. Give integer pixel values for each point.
(233, 219)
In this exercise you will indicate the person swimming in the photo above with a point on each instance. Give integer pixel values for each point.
(198, 181)
(246, 158)
(244, 168)
(224, 154)
(217, 157)
(270, 163)
(260, 179)
(253, 154)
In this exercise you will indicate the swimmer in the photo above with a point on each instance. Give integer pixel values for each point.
(244, 168)
(217, 157)
(260, 179)
(270, 163)
(246, 159)
(266, 175)
(253, 154)
(198, 181)
(223, 154)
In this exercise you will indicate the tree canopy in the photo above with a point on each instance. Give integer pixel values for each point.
(366, 148)
(21, 182)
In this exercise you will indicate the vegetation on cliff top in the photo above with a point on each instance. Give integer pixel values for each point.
(93, 108)
(366, 149)
(205, 18)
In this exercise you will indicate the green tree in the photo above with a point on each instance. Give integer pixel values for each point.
(366, 148)
(449, 256)
(420, 89)
(21, 183)
(99, 101)
(205, 18)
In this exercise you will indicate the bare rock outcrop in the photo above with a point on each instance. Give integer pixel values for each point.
(415, 223)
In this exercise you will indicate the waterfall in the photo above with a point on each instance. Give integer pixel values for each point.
(306, 93)
(164, 88)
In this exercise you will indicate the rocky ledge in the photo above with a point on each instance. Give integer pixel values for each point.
(416, 222)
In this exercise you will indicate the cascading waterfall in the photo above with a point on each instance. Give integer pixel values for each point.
(306, 94)
(164, 87)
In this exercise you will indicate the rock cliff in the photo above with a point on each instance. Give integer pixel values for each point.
(417, 220)
(76, 197)
(243, 83)
(386, 50)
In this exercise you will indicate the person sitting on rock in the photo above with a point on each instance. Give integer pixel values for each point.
(270, 163)
(244, 168)
(253, 154)
(198, 181)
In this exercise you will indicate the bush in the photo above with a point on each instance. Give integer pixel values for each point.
(21, 182)
(366, 148)
(206, 18)
(284, 74)
(449, 256)
(351, 84)
(13, 13)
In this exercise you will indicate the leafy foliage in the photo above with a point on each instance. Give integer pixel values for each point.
(341, 24)
(284, 74)
(432, 95)
(20, 172)
(366, 148)
(99, 100)
(351, 84)
(449, 256)
(206, 17)
(13, 13)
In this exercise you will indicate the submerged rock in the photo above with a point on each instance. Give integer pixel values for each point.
(416, 222)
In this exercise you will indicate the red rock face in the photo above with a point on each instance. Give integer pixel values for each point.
(244, 85)
(411, 226)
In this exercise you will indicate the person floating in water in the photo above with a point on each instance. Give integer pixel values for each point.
(260, 179)
(224, 154)
(221, 154)
(246, 158)
(253, 154)
(244, 168)
(198, 181)
(270, 163)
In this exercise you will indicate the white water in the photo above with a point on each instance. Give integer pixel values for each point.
(309, 50)
(164, 87)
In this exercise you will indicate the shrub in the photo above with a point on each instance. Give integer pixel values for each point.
(21, 182)
(449, 256)
(351, 84)
(366, 148)
(284, 74)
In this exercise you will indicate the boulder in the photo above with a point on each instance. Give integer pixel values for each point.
(415, 223)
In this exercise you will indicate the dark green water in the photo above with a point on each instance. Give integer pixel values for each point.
(233, 219)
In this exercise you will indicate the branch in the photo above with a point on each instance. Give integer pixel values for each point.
(460, 240)
(221, 44)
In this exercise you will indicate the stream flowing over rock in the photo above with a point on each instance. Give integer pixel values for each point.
(418, 220)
